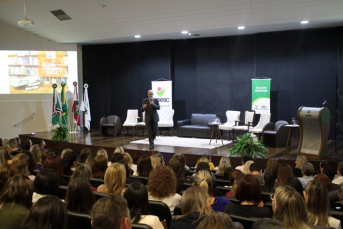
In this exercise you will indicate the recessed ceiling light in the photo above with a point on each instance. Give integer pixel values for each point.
(304, 22)
(189, 34)
(241, 27)
(103, 5)
(184, 32)
(137, 36)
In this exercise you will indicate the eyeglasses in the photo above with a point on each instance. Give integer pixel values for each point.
(272, 197)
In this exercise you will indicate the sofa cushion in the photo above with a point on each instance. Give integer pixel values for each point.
(207, 118)
(196, 128)
(196, 119)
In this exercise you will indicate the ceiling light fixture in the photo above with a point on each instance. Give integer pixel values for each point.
(26, 22)
(184, 32)
(102, 5)
(304, 22)
(241, 27)
(137, 36)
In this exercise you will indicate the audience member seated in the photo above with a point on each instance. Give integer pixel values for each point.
(103, 217)
(307, 171)
(65, 151)
(204, 179)
(90, 159)
(7, 171)
(18, 143)
(330, 172)
(218, 220)
(299, 163)
(55, 162)
(79, 197)
(42, 145)
(116, 157)
(223, 158)
(269, 181)
(296, 184)
(339, 178)
(47, 153)
(136, 196)
(289, 211)
(182, 159)
(128, 159)
(336, 195)
(246, 169)
(8, 156)
(249, 194)
(31, 162)
(36, 154)
(48, 212)
(206, 159)
(234, 177)
(114, 180)
(102, 151)
(162, 186)
(45, 184)
(256, 170)
(99, 167)
(2, 157)
(13, 144)
(316, 197)
(20, 161)
(82, 171)
(69, 162)
(175, 165)
(325, 180)
(157, 160)
(272, 165)
(284, 171)
(143, 166)
(84, 154)
(195, 205)
(223, 165)
(244, 159)
(15, 202)
(226, 175)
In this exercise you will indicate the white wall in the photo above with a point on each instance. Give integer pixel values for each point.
(16, 108)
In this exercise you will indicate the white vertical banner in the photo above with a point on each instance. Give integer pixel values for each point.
(163, 92)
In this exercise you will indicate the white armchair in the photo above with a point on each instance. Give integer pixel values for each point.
(131, 120)
(264, 119)
(141, 124)
(248, 121)
(232, 117)
(166, 119)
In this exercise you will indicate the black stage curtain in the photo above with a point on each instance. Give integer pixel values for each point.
(212, 75)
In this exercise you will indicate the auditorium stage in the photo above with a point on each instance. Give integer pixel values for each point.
(94, 141)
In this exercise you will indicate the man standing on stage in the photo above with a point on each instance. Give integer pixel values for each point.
(150, 105)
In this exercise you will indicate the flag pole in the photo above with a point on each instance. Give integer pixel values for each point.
(75, 110)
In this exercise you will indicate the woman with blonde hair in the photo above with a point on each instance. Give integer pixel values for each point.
(20, 161)
(223, 165)
(206, 159)
(316, 198)
(114, 180)
(36, 153)
(289, 211)
(204, 179)
(299, 163)
(246, 169)
(156, 160)
(195, 205)
(284, 171)
(162, 186)
(3, 160)
(128, 159)
(272, 165)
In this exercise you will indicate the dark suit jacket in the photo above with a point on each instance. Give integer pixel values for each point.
(151, 110)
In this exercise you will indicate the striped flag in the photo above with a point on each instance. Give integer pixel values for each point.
(75, 108)
(64, 105)
(56, 106)
(86, 108)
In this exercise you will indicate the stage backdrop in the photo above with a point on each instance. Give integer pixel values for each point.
(163, 92)
(260, 95)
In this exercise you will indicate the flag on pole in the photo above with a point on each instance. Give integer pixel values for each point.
(64, 105)
(56, 106)
(86, 108)
(75, 108)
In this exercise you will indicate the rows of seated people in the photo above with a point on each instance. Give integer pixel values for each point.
(37, 182)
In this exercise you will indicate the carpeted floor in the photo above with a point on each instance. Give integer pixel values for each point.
(184, 142)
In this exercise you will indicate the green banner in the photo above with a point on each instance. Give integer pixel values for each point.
(260, 95)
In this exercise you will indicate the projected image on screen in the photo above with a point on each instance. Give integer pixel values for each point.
(24, 72)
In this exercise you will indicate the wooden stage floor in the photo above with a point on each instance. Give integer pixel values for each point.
(94, 140)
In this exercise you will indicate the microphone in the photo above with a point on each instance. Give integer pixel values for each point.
(325, 102)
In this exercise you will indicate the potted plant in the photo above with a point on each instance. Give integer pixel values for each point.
(61, 133)
(249, 144)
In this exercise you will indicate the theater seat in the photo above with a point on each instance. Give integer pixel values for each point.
(161, 210)
(79, 220)
(140, 226)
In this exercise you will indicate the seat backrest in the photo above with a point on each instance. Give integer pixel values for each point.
(111, 119)
(62, 191)
(196, 119)
(207, 118)
(95, 182)
(166, 115)
(79, 220)
(161, 210)
(140, 226)
(131, 116)
(280, 123)
(245, 221)
(264, 119)
(222, 182)
(99, 195)
(249, 116)
(177, 210)
(232, 117)
(143, 180)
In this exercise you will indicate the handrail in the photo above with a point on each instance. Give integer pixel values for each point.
(26, 119)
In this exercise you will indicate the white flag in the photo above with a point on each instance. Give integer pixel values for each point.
(86, 108)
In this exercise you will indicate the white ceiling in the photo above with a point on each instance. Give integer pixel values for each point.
(165, 19)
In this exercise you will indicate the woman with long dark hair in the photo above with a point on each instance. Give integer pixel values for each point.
(137, 201)
(79, 197)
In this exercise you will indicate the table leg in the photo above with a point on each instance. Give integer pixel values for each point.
(212, 132)
(220, 136)
(289, 140)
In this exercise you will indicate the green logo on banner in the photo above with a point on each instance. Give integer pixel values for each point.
(160, 91)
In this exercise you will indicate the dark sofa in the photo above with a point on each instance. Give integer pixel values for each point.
(197, 126)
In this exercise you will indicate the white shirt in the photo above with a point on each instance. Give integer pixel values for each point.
(338, 180)
(151, 220)
(335, 223)
(171, 201)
